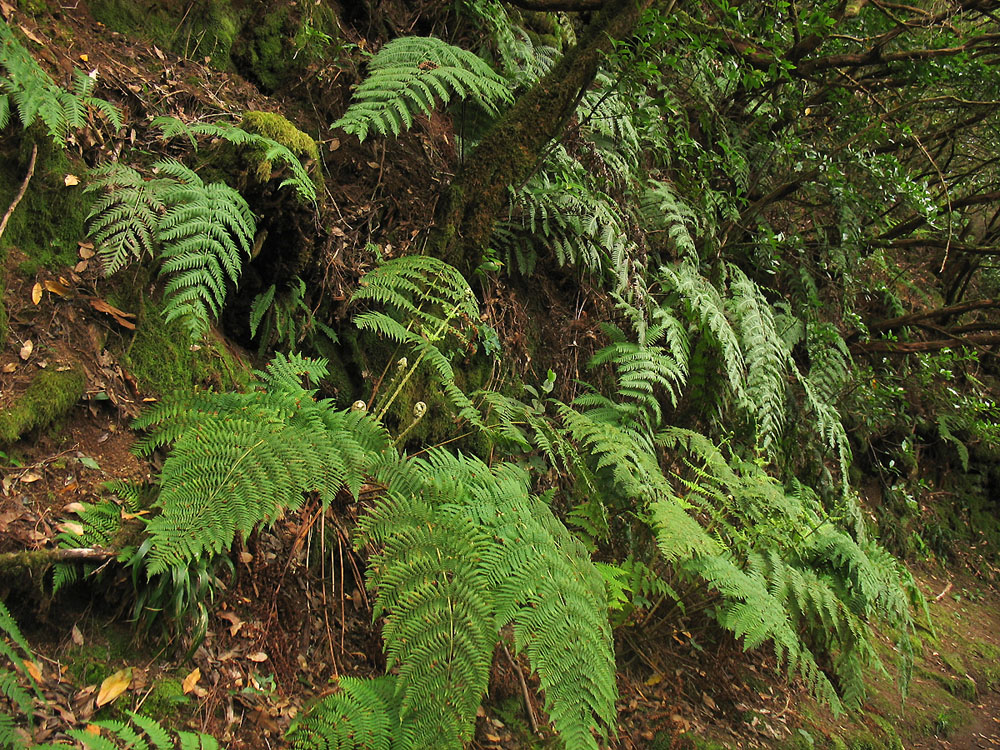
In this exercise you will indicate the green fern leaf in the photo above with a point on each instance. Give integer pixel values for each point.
(408, 75)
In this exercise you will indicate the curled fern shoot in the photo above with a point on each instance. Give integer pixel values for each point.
(439, 310)
(407, 77)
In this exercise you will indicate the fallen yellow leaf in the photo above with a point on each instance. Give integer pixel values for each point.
(191, 680)
(258, 656)
(33, 670)
(26, 349)
(114, 686)
(71, 527)
(36, 293)
(70, 180)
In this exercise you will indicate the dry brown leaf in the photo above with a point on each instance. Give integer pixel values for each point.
(71, 527)
(120, 316)
(93, 729)
(36, 293)
(191, 680)
(6, 9)
(26, 349)
(86, 252)
(61, 287)
(70, 180)
(245, 557)
(257, 656)
(10, 367)
(81, 266)
(33, 670)
(32, 35)
(30, 476)
(73, 507)
(76, 635)
(114, 685)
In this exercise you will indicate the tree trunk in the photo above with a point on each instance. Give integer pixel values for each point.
(512, 147)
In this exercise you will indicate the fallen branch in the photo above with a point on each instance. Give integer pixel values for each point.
(16, 562)
(22, 191)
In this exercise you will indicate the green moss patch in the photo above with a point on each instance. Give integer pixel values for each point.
(164, 359)
(50, 395)
(277, 128)
(51, 218)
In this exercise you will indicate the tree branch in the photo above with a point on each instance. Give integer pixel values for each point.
(566, 6)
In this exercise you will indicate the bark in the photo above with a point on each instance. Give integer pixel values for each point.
(18, 563)
(511, 149)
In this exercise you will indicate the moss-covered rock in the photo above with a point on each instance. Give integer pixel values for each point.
(50, 395)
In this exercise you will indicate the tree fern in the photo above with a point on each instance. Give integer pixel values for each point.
(408, 75)
(37, 97)
(239, 460)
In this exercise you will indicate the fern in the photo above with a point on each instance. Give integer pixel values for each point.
(270, 149)
(662, 210)
(439, 308)
(204, 234)
(14, 649)
(461, 541)
(239, 460)
(125, 217)
(765, 357)
(142, 733)
(408, 75)
(360, 717)
(706, 305)
(37, 97)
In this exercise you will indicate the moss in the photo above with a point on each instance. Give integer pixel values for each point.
(165, 699)
(50, 395)
(51, 218)
(263, 54)
(277, 128)
(163, 359)
(198, 30)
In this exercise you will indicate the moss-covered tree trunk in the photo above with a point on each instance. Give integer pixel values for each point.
(511, 148)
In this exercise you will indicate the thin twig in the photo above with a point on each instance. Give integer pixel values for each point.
(524, 689)
(21, 192)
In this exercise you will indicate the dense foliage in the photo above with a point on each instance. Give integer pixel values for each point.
(788, 214)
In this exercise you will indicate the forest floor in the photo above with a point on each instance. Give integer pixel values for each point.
(294, 615)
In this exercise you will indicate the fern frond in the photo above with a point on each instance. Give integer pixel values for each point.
(765, 357)
(125, 215)
(272, 150)
(38, 97)
(430, 575)
(205, 234)
(240, 460)
(363, 716)
(408, 75)
(706, 304)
